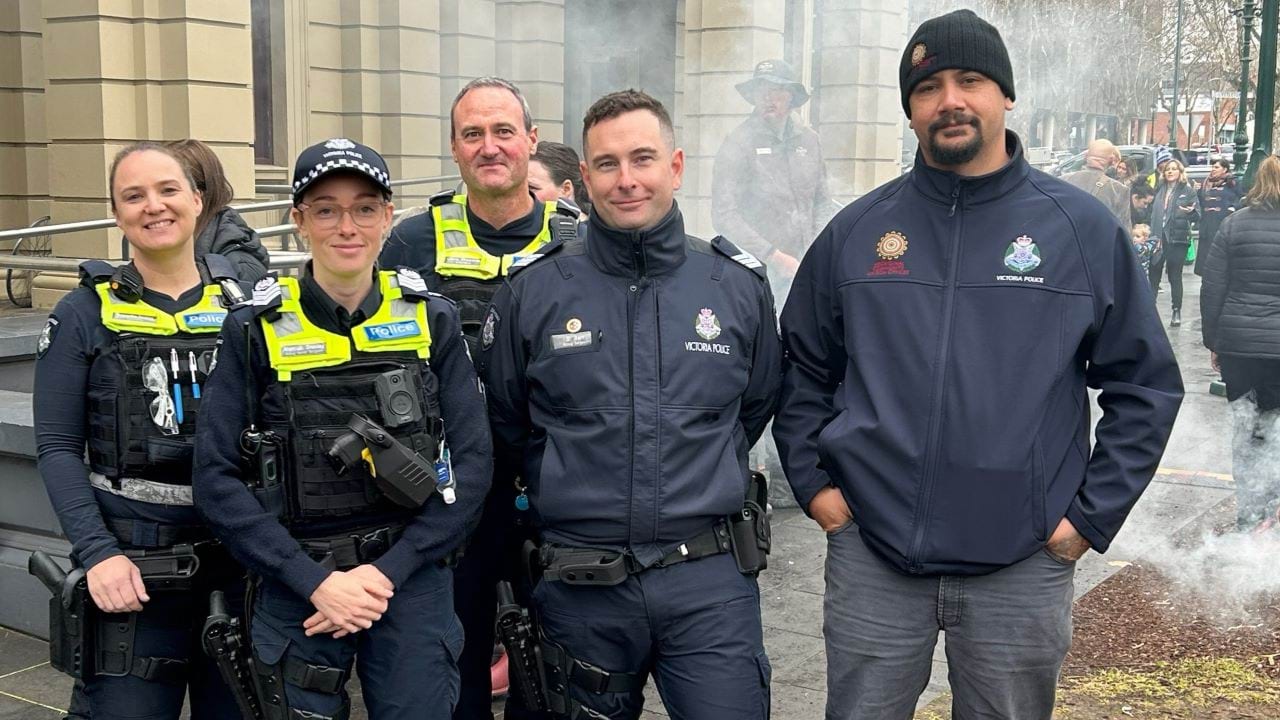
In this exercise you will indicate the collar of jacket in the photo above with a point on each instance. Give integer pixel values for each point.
(638, 253)
(943, 186)
(325, 312)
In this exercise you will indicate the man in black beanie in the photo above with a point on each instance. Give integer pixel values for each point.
(940, 336)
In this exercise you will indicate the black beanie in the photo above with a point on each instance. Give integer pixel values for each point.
(959, 40)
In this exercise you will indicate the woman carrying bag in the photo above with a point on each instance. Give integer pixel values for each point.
(1175, 207)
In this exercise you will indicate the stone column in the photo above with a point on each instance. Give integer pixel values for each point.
(468, 50)
(723, 41)
(858, 105)
(530, 53)
(24, 165)
(118, 72)
(375, 78)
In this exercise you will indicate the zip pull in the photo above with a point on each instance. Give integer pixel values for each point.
(955, 200)
(637, 254)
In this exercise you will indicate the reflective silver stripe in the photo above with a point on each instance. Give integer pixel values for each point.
(147, 491)
(454, 211)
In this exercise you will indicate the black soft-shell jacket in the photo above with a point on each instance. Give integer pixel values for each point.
(627, 376)
(940, 337)
(228, 235)
(1240, 297)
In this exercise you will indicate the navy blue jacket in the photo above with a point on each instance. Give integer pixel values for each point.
(76, 358)
(255, 536)
(939, 338)
(628, 373)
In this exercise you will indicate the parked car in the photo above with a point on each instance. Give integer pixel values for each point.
(1142, 158)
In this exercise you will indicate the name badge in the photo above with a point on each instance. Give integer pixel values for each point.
(303, 349)
(571, 341)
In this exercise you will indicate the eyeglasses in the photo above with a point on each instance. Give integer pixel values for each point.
(156, 379)
(326, 216)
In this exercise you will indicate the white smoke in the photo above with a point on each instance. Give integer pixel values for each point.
(1233, 576)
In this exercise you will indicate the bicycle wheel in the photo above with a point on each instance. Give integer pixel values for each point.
(17, 283)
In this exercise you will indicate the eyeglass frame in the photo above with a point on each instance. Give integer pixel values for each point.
(303, 207)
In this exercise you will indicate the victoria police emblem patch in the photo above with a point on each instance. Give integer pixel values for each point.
(489, 329)
(707, 325)
(1022, 255)
(46, 336)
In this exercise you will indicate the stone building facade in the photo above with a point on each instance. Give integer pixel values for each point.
(261, 79)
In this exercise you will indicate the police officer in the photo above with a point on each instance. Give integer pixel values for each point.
(343, 409)
(627, 374)
(119, 368)
(464, 245)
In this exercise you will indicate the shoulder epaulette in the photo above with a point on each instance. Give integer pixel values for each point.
(742, 257)
(444, 197)
(93, 272)
(219, 270)
(550, 248)
(267, 296)
(444, 298)
(219, 267)
(564, 207)
(412, 286)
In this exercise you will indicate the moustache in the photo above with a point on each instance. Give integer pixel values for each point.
(952, 120)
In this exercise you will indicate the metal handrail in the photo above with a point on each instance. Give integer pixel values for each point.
(64, 228)
(280, 260)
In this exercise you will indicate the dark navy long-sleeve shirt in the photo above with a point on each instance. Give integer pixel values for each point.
(940, 337)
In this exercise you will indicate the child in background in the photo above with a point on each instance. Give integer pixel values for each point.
(1143, 244)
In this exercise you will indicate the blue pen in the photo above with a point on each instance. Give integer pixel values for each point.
(177, 387)
(191, 365)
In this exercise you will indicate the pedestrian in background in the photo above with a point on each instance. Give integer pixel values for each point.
(1219, 197)
(1240, 312)
(1174, 208)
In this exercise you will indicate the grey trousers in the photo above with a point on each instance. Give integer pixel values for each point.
(1007, 634)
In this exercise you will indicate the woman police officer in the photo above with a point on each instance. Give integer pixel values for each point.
(119, 366)
(327, 415)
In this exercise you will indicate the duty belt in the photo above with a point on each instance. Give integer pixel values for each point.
(343, 552)
(146, 533)
(594, 566)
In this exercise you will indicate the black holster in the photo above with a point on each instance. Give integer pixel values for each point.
(749, 532)
(85, 642)
(225, 643)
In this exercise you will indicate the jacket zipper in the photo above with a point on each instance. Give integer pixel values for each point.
(657, 420)
(925, 494)
(633, 289)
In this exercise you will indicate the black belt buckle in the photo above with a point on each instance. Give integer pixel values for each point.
(607, 569)
(371, 546)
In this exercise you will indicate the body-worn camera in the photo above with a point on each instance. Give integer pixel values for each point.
(399, 397)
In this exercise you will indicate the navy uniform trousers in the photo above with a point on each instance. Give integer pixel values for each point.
(695, 626)
(407, 662)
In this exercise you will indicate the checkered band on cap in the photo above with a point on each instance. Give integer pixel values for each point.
(376, 173)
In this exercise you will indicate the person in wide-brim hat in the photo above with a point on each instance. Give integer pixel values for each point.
(774, 73)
